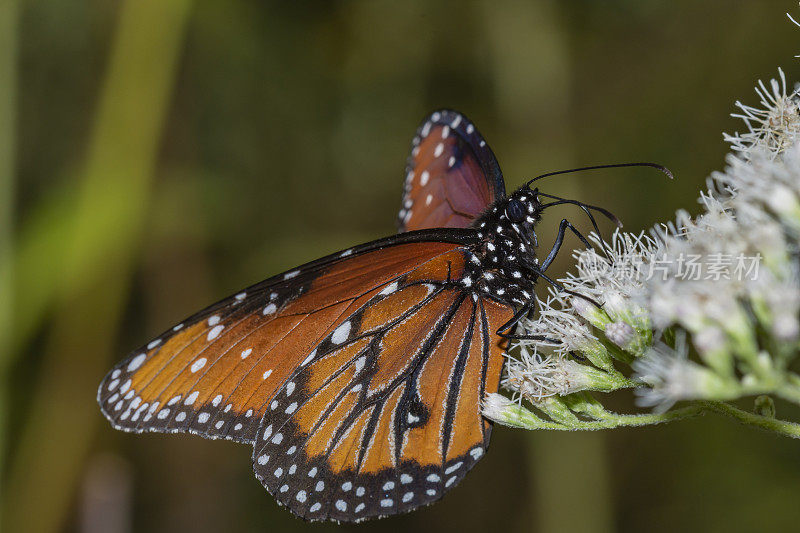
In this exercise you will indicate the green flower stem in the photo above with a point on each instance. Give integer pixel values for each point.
(782, 427)
(520, 417)
(623, 420)
(560, 410)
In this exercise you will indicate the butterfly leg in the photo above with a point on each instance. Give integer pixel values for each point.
(561, 288)
(587, 209)
(562, 228)
(523, 311)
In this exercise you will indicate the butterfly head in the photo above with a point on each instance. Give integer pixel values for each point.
(507, 227)
(523, 208)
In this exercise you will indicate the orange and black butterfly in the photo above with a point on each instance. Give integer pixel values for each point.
(358, 378)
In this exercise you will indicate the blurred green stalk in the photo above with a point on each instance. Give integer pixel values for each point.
(103, 232)
(9, 24)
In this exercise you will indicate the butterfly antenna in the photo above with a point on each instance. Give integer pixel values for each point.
(662, 168)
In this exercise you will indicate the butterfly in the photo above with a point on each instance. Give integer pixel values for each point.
(358, 378)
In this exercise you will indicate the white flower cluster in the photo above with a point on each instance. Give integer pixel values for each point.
(717, 337)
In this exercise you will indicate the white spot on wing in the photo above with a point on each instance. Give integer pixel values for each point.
(191, 398)
(424, 177)
(389, 289)
(341, 333)
(215, 331)
(136, 362)
(453, 468)
(290, 275)
(309, 358)
(360, 362)
(197, 365)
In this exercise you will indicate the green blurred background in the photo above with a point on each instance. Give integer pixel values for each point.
(158, 155)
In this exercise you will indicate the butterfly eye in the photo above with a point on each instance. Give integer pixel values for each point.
(515, 210)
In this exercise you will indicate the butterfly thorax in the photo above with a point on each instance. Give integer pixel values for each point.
(504, 263)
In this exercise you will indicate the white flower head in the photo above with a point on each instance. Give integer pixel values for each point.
(535, 377)
(672, 377)
(773, 126)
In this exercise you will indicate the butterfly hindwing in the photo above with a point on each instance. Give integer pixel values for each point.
(452, 176)
(389, 418)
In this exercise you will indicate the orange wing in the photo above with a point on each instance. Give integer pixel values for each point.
(452, 175)
(357, 378)
(212, 373)
(390, 419)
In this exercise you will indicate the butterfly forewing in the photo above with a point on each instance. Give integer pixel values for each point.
(213, 373)
(451, 176)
